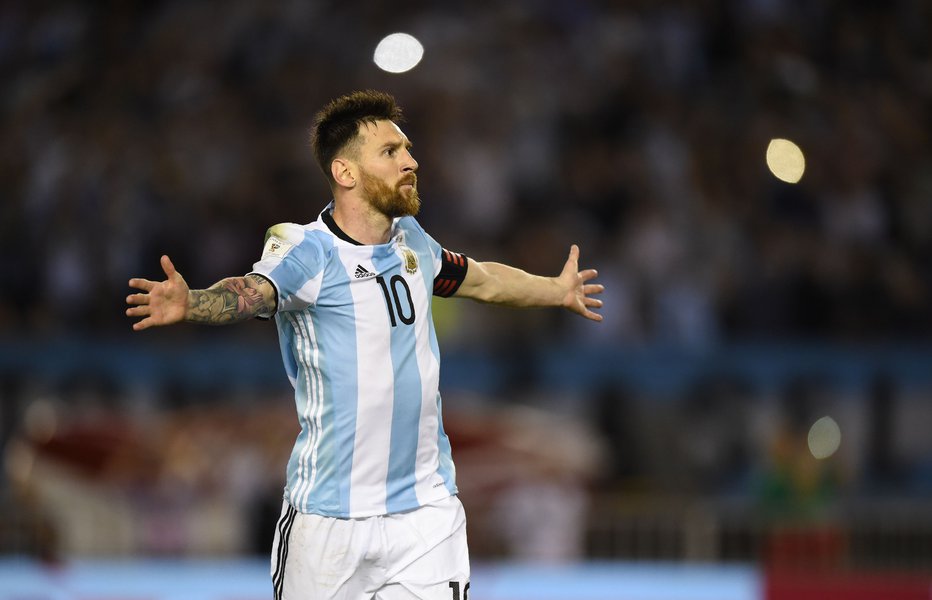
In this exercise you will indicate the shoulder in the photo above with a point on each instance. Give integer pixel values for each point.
(290, 238)
(289, 233)
(411, 227)
(416, 235)
(408, 224)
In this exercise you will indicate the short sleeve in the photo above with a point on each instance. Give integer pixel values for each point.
(293, 261)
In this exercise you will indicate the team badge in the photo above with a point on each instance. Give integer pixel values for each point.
(410, 260)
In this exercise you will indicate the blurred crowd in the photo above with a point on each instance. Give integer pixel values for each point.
(637, 129)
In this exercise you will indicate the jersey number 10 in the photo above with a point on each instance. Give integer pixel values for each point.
(391, 293)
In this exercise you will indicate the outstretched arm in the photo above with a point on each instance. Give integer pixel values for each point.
(228, 301)
(501, 284)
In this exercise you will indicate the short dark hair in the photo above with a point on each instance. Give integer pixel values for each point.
(337, 124)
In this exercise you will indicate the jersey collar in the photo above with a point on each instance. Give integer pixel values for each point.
(327, 217)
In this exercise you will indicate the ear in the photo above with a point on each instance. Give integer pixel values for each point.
(343, 173)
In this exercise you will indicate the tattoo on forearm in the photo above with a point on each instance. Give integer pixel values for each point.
(227, 301)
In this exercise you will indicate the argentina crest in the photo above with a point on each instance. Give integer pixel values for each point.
(410, 260)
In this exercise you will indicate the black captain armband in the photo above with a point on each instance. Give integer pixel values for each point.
(452, 273)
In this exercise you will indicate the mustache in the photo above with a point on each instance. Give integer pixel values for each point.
(408, 180)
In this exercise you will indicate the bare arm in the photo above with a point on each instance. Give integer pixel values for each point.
(502, 284)
(229, 300)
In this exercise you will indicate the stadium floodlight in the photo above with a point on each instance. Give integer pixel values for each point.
(785, 160)
(398, 52)
(824, 438)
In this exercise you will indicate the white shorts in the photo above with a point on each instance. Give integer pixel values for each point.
(416, 555)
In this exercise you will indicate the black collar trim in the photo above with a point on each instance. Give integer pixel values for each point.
(332, 225)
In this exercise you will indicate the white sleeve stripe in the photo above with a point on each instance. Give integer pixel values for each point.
(312, 409)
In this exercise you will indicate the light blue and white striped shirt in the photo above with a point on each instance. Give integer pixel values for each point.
(358, 342)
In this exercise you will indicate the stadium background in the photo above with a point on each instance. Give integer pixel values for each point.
(664, 453)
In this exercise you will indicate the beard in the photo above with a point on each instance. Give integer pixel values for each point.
(391, 201)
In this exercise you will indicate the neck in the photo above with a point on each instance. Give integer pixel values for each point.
(361, 222)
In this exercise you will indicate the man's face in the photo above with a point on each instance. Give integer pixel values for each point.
(387, 169)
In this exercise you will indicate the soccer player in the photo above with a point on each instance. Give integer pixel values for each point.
(370, 507)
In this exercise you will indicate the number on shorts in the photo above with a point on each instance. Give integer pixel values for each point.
(455, 586)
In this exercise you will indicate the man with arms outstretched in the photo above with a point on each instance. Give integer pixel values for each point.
(370, 508)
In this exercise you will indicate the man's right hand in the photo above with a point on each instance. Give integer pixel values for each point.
(162, 302)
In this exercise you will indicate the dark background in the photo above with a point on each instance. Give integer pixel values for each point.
(738, 309)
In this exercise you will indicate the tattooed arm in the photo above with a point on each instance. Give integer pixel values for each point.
(230, 300)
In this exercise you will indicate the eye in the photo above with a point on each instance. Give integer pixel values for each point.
(390, 152)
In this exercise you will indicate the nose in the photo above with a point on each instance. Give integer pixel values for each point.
(409, 164)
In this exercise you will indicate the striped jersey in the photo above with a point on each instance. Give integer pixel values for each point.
(358, 343)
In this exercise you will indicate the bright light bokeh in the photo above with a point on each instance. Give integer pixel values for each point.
(398, 52)
(824, 438)
(785, 160)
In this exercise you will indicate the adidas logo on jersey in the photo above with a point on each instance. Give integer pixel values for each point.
(362, 273)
